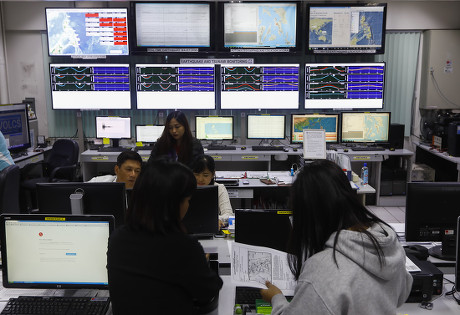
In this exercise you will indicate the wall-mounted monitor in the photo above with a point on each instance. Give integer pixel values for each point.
(14, 124)
(90, 86)
(148, 133)
(114, 128)
(344, 85)
(175, 86)
(346, 28)
(172, 27)
(328, 122)
(87, 31)
(260, 26)
(365, 127)
(266, 126)
(261, 86)
(214, 127)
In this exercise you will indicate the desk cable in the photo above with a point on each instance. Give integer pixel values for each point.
(452, 292)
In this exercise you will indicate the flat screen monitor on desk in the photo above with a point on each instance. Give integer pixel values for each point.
(214, 128)
(14, 124)
(432, 210)
(97, 198)
(365, 127)
(202, 218)
(148, 133)
(266, 127)
(328, 122)
(59, 251)
(114, 128)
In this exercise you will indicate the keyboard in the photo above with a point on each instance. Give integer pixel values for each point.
(267, 148)
(95, 146)
(57, 305)
(144, 148)
(367, 148)
(247, 295)
(221, 147)
(18, 155)
(113, 149)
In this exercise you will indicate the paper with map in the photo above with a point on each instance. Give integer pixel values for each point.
(251, 266)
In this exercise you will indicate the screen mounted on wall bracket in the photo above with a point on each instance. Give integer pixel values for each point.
(346, 28)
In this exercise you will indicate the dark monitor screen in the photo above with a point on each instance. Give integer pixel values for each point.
(214, 127)
(203, 213)
(98, 198)
(346, 28)
(87, 31)
(55, 251)
(263, 227)
(328, 122)
(14, 124)
(266, 126)
(432, 209)
(365, 127)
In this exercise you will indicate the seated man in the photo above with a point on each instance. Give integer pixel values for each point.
(128, 167)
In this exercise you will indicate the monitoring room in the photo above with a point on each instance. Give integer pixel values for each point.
(255, 99)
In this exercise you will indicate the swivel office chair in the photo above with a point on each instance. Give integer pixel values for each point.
(9, 189)
(60, 165)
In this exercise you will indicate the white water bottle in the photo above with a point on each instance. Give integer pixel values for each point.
(364, 175)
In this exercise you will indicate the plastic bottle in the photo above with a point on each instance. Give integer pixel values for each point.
(364, 175)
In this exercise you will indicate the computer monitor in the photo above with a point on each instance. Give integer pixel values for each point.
(114, 128)
(328, 122)
(175, 27)
(87, 31)
(266, 126)
(344, 85)
(346, 28)
(261, 86)
(214, 127)
(14, 124)
(90, 86)
(99, 198)
(202, 218)
(260, 26)
(432, 210)
(55, 252)
(175, 86)
(365, 127)
(148, 133)
(263, 227)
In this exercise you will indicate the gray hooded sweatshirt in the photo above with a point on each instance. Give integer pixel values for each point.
(359, 285)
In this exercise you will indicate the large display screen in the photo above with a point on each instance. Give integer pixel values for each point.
(266, 126)
(328, 122)
(260, 24)
(90, 86)
(261, 86)
(365, 127)
(87, 31)
(175, 86)
(346, 29)
(172, 25)
(344, 85)
(214, 127)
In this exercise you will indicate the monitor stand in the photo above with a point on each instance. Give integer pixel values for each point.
(446, 254)
(264, 143)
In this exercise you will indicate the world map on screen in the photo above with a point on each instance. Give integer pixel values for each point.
(277, 26)
(321, 31)
(326, 123)
(217, 130)
(376, 127)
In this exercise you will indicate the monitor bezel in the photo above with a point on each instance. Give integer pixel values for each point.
(180, 50)
(162, 126)
(364, 142)
(88, 55)
(18, 107)
(256, 49)
(337, 115)
(265, 115)
(48, 217)
(215, 116)
(341, 50)
(130, 128)
(457, 258)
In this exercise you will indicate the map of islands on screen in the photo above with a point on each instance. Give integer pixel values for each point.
(328, 122)
(87, 32)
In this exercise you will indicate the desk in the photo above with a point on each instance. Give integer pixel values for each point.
(31, 157)
(455, 161)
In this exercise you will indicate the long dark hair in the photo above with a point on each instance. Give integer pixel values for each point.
(203, 162)
(323, 202)
(157, 194)
(166, 142)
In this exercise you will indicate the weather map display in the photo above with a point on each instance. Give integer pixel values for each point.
(90, 86)
(346, 29)
(344, 86)
(365, 127)
(328, 122)
(175, 86)
(214, 127)
(87, 32)
(274, 86)
(260, 25)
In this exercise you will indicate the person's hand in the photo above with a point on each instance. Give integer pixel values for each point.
(270, 292)
(207, 255)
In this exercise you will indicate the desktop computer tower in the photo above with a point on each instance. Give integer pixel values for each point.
(453, 138)
(396, 136)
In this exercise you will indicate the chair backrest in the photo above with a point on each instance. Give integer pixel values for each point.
(64, 153)
(9, 189)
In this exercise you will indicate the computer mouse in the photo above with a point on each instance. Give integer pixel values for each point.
(392, 149)
(243, 148)
(295, 149)
(420, 252)
(286, 150)
(345, 150)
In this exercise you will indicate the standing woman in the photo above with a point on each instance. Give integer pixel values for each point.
(177, 140)
(345, 259)
(153, 266)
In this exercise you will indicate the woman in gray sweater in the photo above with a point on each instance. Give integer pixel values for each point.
(345, 259)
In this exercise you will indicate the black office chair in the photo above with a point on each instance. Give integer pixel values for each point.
(60, 165)
(9, 189)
